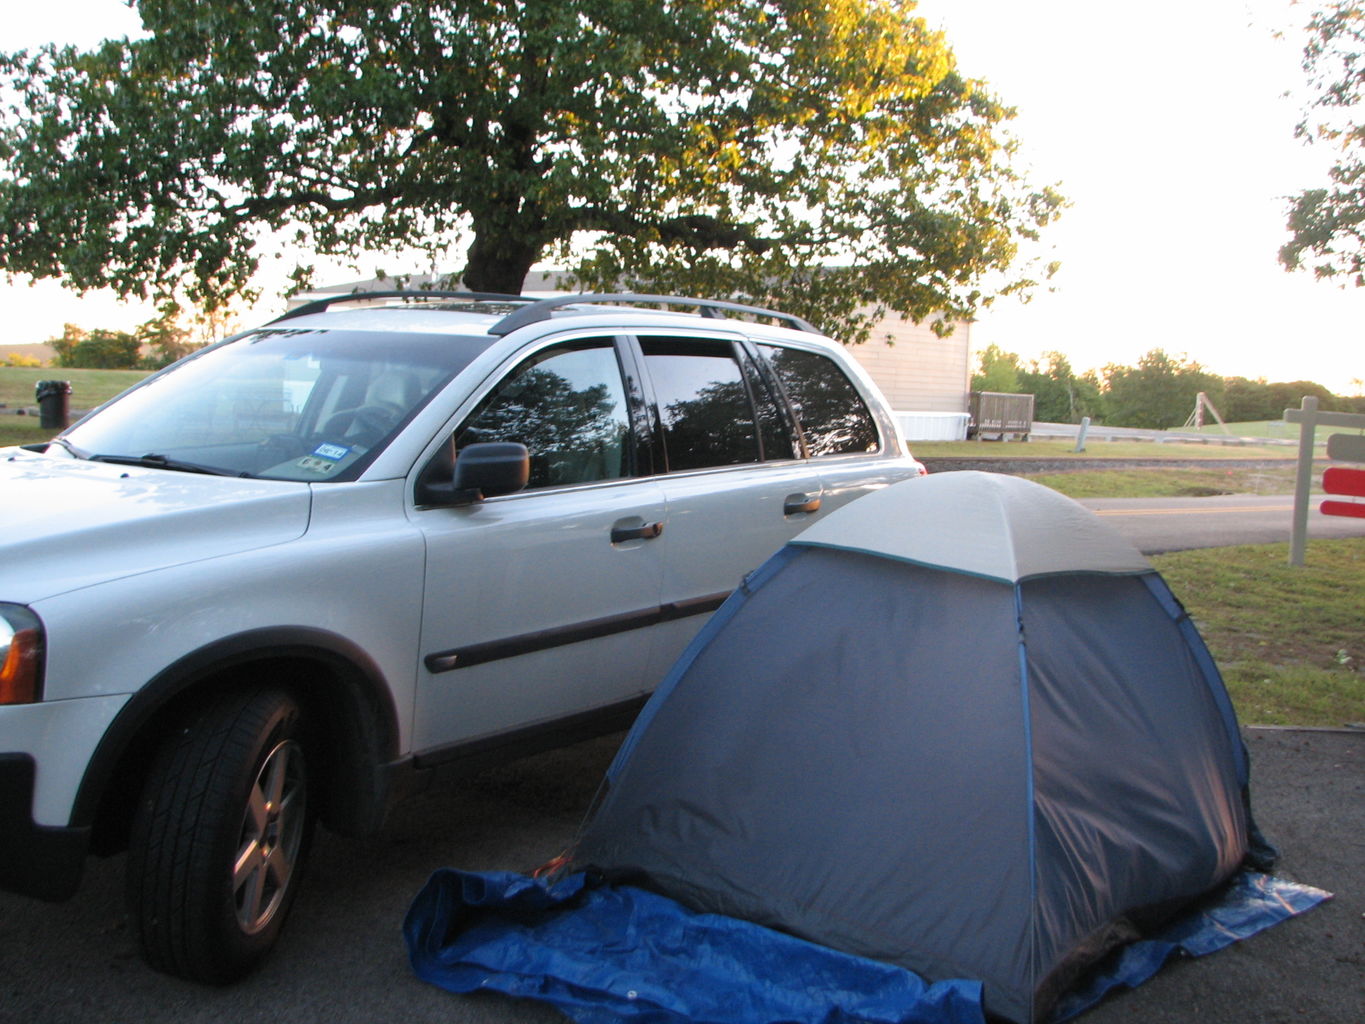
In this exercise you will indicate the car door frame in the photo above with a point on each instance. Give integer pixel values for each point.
(437, 743)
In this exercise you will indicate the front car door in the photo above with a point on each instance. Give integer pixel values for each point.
(537, 603)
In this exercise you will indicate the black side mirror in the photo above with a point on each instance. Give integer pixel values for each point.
(483, 470)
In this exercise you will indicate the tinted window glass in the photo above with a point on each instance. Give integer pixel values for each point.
(708, 418)
(773, 427)
(832, 414)
(568, 407)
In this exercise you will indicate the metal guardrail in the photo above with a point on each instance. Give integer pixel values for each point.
(1096, 432)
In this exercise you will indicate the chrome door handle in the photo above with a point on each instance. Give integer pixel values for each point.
(646, 531)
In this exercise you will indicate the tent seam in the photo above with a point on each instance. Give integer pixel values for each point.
(1030, 799)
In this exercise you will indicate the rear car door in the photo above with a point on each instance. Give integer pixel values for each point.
(736, 486)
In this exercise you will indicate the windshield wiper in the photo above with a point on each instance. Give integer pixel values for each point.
(43, 446)
(155, 460)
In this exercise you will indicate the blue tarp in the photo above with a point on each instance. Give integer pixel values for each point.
(603, 954)
(1250, 903)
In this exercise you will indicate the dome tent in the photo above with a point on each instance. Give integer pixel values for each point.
(960, 726)
(946, 748)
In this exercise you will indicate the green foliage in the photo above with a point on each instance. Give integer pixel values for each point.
(165, 340)
(1158, 393)
(997, 370)
(1059, 395)
(1327, 224)
(98, 349)
(1246, 400)
(699, 146)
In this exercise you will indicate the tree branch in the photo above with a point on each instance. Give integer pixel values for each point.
(698, 231)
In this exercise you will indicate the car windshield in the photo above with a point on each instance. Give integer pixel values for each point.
(282, 404)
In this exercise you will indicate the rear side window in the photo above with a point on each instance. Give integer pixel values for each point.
(833, 416)
(715, 407)
(706, 403)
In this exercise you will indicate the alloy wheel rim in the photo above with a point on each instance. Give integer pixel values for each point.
(270, 838)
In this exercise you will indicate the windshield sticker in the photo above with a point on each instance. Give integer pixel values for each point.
(335, 452)
(309, 464)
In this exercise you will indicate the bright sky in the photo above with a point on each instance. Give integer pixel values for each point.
(1167, 126)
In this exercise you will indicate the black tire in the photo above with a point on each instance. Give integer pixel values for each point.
(220, 838)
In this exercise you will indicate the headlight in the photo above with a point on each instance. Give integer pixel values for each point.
(21, 655)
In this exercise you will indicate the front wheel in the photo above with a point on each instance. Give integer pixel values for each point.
(220, 838)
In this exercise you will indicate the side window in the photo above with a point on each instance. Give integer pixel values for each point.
(704, 403)
(833, 416)
(568, 407)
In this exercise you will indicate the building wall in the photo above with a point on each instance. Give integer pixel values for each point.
(917, 370)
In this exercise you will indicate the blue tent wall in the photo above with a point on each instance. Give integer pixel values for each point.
(1213, 679)
(1136, 792)
(806, 785)
(847, 752)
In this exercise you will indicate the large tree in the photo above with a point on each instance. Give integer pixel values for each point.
(1060, 396)
(1159, 393)
(1327, 225)
(823, 154)
(997, 370)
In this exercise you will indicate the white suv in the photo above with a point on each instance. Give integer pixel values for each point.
(325, 562)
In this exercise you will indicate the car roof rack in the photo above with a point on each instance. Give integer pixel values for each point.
(320, 305)
(712, 308)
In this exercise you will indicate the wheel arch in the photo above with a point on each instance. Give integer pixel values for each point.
(346, 700)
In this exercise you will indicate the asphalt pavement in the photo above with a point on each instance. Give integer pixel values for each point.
(1155, 525)
(342, 959)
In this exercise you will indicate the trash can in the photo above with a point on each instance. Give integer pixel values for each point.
(54, 402)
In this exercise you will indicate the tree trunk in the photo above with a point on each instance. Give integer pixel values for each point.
(499, 260)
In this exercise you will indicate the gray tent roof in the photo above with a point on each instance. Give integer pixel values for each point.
(982, 524)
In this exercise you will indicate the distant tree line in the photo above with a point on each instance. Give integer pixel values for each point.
(1158, 393)
(150, 346)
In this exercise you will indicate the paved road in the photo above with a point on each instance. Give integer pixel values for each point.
(1175, 524)
(342, 960)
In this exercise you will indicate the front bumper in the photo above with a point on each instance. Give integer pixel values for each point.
(35, 860)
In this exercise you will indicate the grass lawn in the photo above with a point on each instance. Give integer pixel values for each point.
(1290, 641)
(89, 388)
(22, 430)
(1251, 428)
(1175, 482)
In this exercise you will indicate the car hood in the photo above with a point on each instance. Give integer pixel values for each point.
(66, 524)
